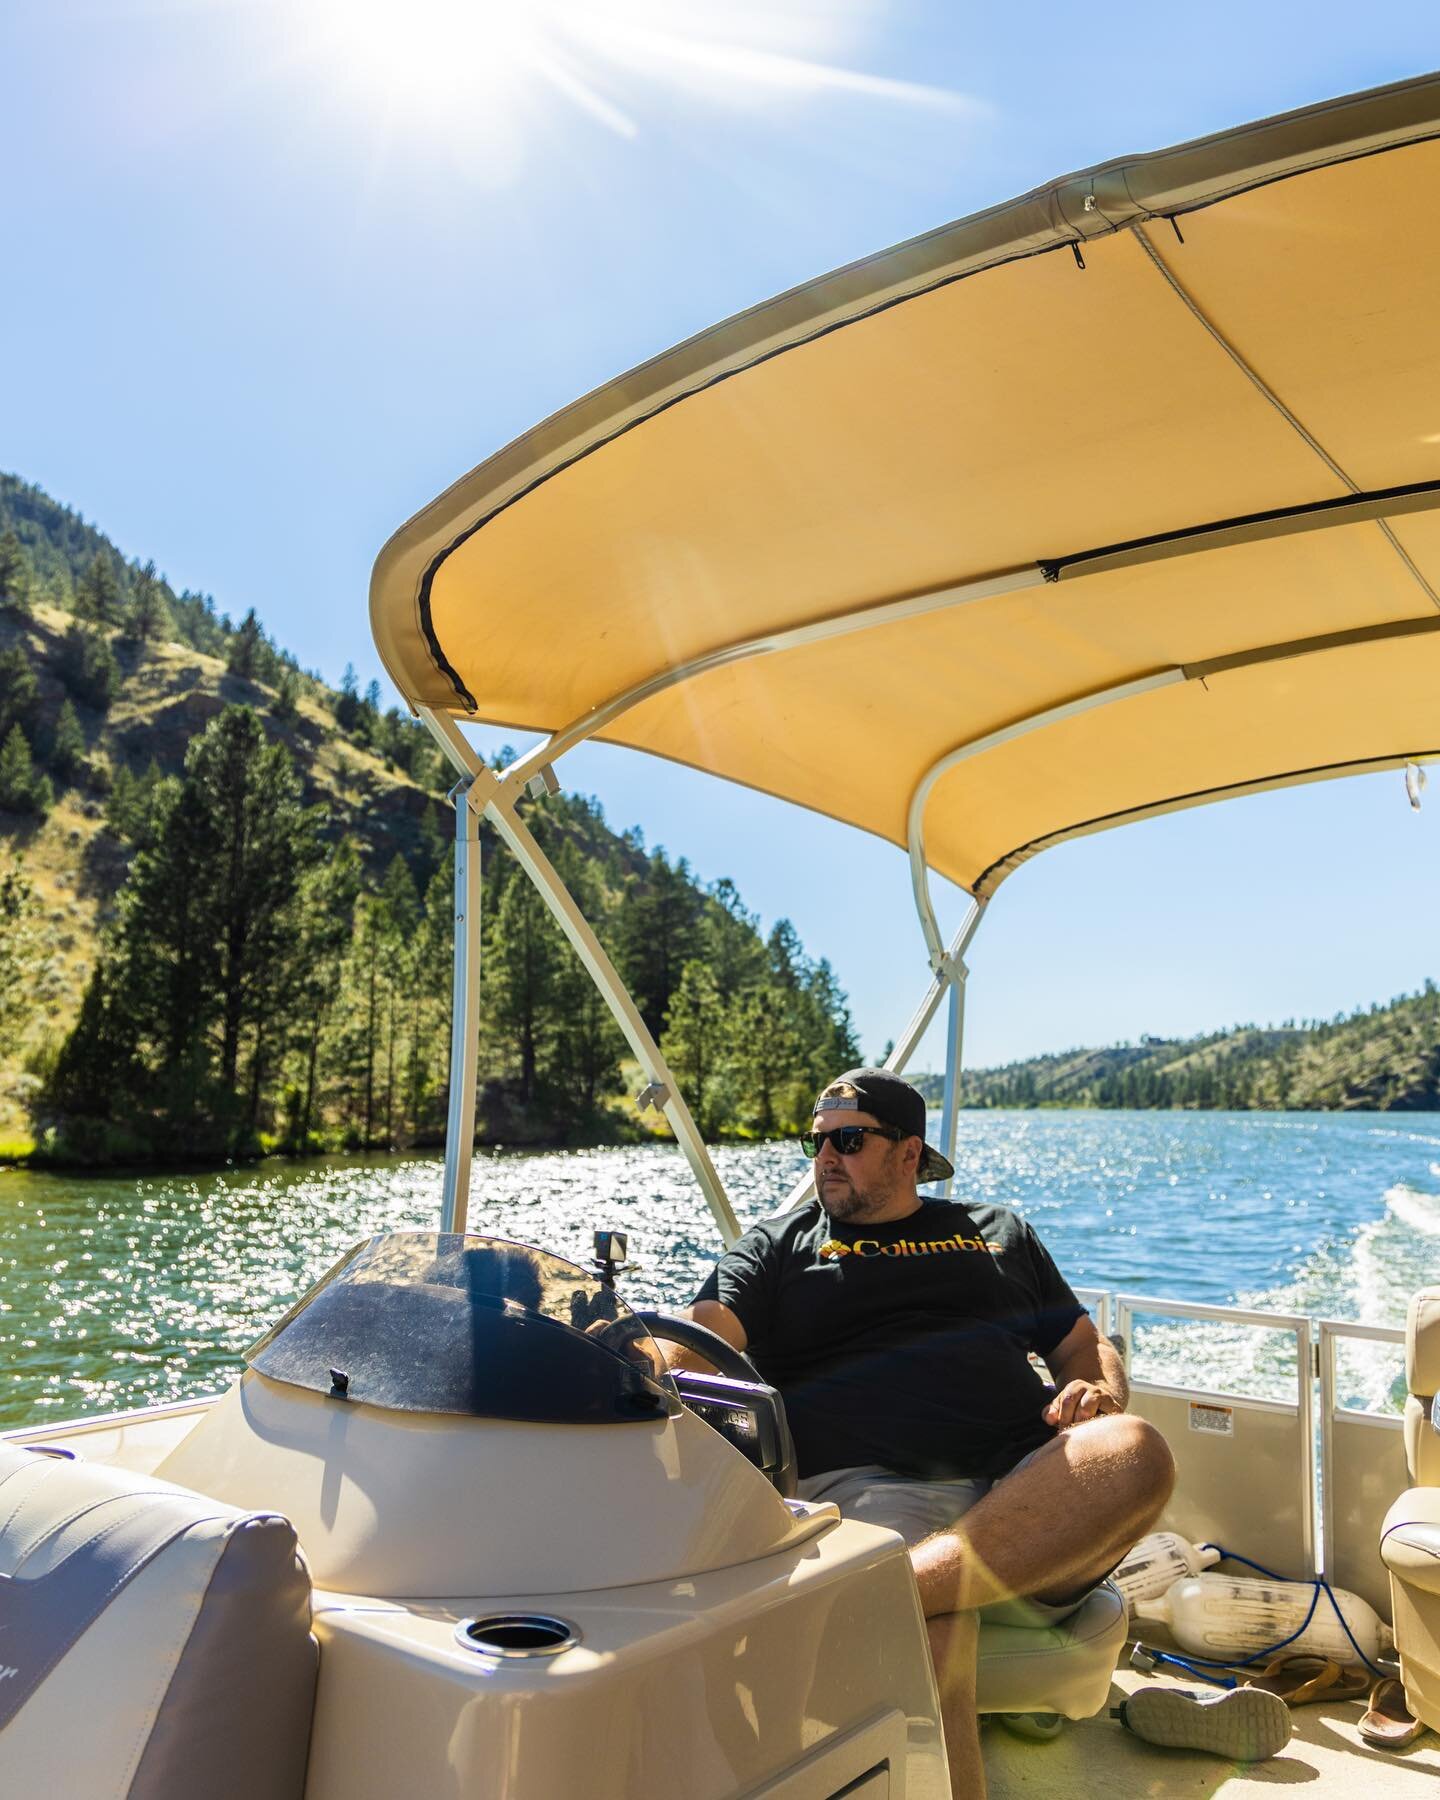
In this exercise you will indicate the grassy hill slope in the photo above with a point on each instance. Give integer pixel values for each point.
(234, 997)
(168, 693)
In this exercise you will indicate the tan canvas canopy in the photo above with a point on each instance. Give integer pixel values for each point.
(1120, 497)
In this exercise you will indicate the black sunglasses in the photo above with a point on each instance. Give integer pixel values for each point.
(847, 1139)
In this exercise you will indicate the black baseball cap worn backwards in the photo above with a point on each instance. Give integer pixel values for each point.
(891, 1100)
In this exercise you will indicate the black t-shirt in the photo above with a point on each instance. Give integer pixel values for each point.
(905, 1344)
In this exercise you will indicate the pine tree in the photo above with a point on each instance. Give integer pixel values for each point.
(657, 931)
(585, 1045)
(265, 841)
(130, 806)
(434, 971)
(23, 789)
(788, 965)
(87, 666)
(98, 592)
(286, 704)
(399, 921)
(347, 701)
(15, 574)
(762, 1056)
(242, 654)
(148, 619)
(208, 934)
(694, 1043)
(326, 912)
(734, 949)
(833, 1044)
(518, 970)
(98, 1074)
(19, 690)
(67, 744)
(19, 953)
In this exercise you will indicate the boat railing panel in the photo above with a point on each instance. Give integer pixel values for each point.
(1245, 1463)
(1362, 1458)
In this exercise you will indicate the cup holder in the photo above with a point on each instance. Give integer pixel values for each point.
(517, 1635)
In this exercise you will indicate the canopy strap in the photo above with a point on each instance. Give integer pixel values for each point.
(1263, 388)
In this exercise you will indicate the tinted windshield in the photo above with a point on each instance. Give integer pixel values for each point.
(438, 1322)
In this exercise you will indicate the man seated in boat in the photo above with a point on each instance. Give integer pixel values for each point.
(899, 1330)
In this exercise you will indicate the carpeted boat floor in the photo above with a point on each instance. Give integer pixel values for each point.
(1325, 1760)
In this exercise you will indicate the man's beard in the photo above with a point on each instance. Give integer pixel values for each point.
(844, 1202)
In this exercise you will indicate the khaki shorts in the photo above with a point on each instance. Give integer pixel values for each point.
(917, 1510)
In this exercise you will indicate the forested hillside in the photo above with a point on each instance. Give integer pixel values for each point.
(225, 904)
(1383, 1057)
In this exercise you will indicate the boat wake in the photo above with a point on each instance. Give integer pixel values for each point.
(1368, 1278)
(1421, 1212)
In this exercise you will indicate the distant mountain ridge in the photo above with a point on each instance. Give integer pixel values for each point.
(1384, 1058)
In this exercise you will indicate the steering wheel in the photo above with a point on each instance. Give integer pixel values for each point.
(703, 1341)
(734, 1363)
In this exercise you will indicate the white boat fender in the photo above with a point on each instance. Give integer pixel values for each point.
(1157, 1562)
(1227, 1617)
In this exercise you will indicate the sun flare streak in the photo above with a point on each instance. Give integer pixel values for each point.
(481, 70)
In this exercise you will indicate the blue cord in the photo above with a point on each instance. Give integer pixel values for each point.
(1179, 1662)
(1243, 1662)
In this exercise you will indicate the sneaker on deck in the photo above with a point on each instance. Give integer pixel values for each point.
(1242, 1724)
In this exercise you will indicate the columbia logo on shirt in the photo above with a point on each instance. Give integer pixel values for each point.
(868, 1247)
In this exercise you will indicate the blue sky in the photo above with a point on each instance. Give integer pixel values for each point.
(273, 275)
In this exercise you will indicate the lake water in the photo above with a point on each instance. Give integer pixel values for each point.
(121, 1292)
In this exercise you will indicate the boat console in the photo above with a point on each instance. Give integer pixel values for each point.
(446, 1414)
(529, 1557)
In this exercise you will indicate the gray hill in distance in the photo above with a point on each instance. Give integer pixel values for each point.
(1382, 1058)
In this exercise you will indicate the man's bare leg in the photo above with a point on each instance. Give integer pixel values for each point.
(1054, 1527)
(952, 1651)
(1048, 1531)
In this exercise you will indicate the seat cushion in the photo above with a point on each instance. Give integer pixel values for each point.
(1422, 1343)
(1063, 1668)
(155, 1644)
(1410, 1539)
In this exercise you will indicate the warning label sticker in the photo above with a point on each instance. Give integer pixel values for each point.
(1218, 1420)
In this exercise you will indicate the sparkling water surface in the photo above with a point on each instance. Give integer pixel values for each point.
(122, 1292)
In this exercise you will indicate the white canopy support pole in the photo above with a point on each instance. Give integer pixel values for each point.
(909, 1039)
(464, 1013)
(905, 1045)
(497, 800)
(954, 1050)
(661, 1090)
(470, 796)
(992, 740)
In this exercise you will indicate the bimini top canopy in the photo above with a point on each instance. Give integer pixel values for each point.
(1117, 498)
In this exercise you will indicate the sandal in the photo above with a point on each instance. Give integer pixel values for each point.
(1389, 1724)
(1301, 1679)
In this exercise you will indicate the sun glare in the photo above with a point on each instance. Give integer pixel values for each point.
(483, 68)
(426, 56)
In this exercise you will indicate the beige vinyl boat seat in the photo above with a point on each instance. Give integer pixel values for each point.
(1048, 1668)
(1065, 1668)
(1410, 1536)
(154, 1645)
